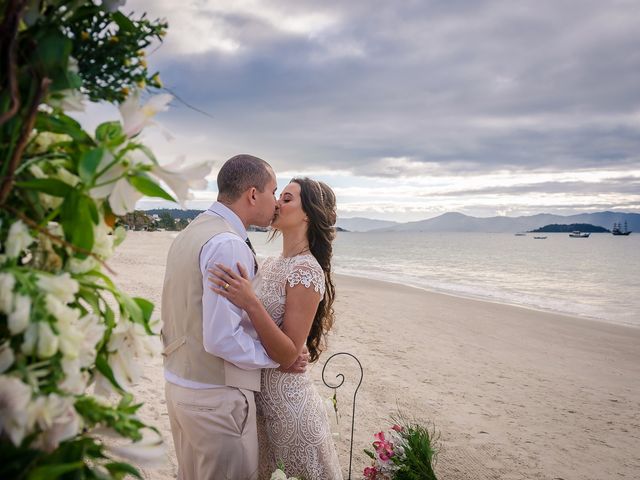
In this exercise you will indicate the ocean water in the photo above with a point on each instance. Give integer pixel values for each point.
(596, 277)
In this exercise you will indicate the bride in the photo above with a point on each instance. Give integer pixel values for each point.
(291, 308)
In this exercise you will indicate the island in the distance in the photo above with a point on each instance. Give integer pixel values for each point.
(579, 227)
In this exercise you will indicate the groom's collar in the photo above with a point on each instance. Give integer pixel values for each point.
(230, 216)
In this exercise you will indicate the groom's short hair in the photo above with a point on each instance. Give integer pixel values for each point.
(240, 173)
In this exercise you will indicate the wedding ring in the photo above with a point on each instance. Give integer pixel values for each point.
(226, 286)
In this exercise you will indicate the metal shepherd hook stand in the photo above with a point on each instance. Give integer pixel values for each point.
(340, 377)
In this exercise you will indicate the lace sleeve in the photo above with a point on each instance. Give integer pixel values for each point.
(307, 272)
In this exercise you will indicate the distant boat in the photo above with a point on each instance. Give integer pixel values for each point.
(618, 230)
(540, 238)
(520, 234)
(578, 234)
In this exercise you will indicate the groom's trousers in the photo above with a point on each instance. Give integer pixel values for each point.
(214, 432)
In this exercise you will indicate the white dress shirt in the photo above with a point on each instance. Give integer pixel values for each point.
(227, 331)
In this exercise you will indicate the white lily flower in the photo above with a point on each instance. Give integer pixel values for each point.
(75, 380)
(7, 282)
(70, 336)
(181, 179)
(123, 198)
(278, 475)
(18, 319)
(148, 452)
(62, 286)
(40, 339)
(77, 266)
(128, 343)
(48, 341)
(92, 331)
(56, 417)
(6, 357)
(14, 400)
(106, 180)
(18, 239)
(67, 177)
(103, 242)
(135, 117)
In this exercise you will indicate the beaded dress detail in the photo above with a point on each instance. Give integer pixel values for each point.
(293, 427)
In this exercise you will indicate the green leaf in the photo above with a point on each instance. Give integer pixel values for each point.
(147, 309)
(61, 123)
(148, 187)
(131, 307)
(123, 22)
(52, 52)
(116, 468)
(50, 186)
(103, 367)
(77, 222)
(51, 472)
(369, 453)
(89, 163)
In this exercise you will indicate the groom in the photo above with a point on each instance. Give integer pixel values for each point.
(212, 355)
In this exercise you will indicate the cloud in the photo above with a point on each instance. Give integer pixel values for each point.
(398, 90)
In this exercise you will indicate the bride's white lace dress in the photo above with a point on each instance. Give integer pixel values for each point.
(293, 427)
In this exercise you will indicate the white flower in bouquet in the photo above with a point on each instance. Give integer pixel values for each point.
(103, 242)
(18, 239)
(14, 400)
(40, 339)
(128, 343)
(7, 282)
(56, 417)
(112, 184)
(148, 452)
(180, 179)
(18, 319)
(6, 356)
(77, 266)
(62, 286)
(278, 475)
(75, 380)
(135, 116)
(67, 177)
(78, 336)
(92, 331)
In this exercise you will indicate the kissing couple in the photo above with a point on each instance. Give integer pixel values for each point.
(238, 336)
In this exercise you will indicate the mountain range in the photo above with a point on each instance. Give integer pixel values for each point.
(458, 222)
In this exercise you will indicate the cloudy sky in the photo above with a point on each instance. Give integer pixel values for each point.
(410, 109)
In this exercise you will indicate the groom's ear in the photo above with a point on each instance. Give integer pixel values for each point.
(252, 195)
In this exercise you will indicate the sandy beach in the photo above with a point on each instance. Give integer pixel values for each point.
(514, 393)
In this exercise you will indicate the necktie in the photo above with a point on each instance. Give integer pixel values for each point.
(248, 242)
(255, 264)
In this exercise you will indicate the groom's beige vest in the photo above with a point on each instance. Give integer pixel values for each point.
(184, 353)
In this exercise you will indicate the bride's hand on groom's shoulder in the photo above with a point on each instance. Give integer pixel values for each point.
(234, 287)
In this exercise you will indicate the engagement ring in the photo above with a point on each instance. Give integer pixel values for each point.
(226, 286)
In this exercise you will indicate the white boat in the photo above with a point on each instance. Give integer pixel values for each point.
(578, 234)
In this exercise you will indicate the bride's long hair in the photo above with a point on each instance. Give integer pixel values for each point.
(319, 204)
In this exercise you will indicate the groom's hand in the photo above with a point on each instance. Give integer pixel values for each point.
(300, 365)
